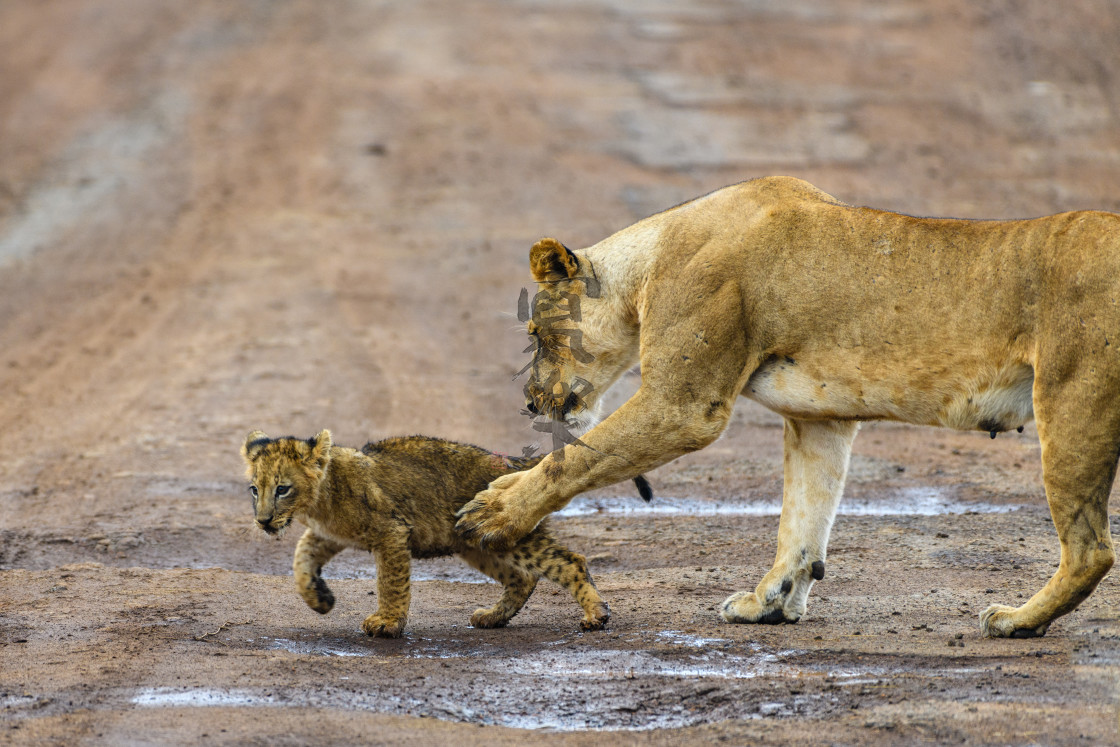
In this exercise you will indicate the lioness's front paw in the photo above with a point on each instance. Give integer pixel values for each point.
(493, 519)
(318, 596)
(383, 627)
(744, 607)
(998, 621)
(488, 618)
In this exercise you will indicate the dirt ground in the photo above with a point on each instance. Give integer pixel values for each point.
(294, 215)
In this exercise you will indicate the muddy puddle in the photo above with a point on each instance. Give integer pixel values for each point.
(921, 501)
(664, 679)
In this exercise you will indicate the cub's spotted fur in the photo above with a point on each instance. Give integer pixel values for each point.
(397, 499)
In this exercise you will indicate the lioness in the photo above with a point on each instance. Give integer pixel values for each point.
(396, 498)
(830, 314)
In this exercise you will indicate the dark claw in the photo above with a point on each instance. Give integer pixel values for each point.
(774, 617)
(817, 572)
(992, 434)
(1024, 633)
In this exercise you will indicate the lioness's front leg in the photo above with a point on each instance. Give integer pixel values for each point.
(312, 553)
(816, 464)
(394, 593)
(642, 434)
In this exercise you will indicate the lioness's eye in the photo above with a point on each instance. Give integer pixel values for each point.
(283, 490)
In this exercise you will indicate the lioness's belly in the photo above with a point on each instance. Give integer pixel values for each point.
(978, 396)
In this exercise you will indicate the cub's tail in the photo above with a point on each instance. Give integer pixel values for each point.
(524, 463)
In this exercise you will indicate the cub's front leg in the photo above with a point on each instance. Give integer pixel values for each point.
(394, 571)
(312, 553)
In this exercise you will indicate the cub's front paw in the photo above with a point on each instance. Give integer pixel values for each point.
(488, 618)
(318, 596)
(383, 627)
(744, 607)
(998, 621)
(494, 519)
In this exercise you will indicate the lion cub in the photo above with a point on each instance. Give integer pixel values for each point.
(397, 499)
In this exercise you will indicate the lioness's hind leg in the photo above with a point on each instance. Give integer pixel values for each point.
(312, 553)
(517, 586)
(816, 465)
(540, 555)
(1079, 450)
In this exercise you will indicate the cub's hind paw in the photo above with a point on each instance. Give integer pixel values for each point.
(488, 618)
(597, 620)
(998, 621)
(383, 627)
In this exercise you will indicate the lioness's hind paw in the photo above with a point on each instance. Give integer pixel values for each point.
(998, 621)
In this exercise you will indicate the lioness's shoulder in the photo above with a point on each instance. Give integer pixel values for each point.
(785, 189)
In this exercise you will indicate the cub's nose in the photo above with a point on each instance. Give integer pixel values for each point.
(265, 523)
(531, 406)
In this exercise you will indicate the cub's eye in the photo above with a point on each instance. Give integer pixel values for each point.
(283, 490)
(253, 490)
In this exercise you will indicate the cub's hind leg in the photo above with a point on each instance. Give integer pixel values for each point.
(517, 586)
(1080, 436)
(312, 553)
(541, 555)
(816, 465)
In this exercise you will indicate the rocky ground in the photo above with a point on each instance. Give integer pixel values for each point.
(294, 215)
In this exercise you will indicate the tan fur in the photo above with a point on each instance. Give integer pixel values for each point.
(397, 499)
(831, 314)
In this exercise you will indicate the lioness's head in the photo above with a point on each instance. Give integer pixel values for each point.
(580, 345)
(284, 475)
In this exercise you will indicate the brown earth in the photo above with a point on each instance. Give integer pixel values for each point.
(294, 215)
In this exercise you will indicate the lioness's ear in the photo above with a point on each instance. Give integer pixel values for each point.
(551, 260)
(320, 450)
(254, 443)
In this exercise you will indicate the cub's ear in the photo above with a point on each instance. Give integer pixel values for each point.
(551, 260)
(320, 455)
(254, 444)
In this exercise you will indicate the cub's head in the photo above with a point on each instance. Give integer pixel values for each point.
(284, 475)
(582, 340)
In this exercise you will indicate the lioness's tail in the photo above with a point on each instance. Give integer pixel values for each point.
(644, 488)
(523, 463)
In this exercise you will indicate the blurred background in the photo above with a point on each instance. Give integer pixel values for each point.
(294, 215)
